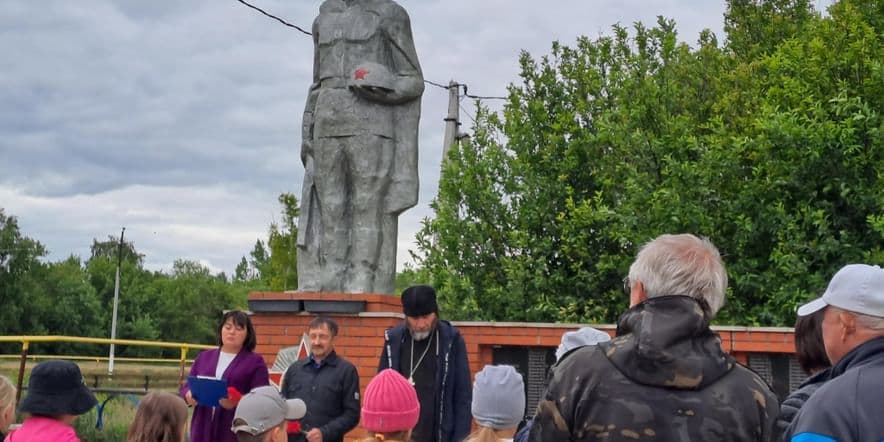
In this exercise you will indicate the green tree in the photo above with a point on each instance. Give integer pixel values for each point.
(111, 249)
(43, 298)
(20, 270)
(772, 152)
(758, 27)
(804, 125)
(408, 277)
(191, 301)
(66, 304)
(273, 265)
(282, 241)
(137, 306)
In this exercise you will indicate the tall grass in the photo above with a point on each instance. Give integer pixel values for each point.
(118, 414)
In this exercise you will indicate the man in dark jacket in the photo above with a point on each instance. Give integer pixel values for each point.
(431, 354)
(665, 376)
(327, 383)
(848, 406)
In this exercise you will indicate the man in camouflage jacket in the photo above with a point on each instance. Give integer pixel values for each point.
(664, 377)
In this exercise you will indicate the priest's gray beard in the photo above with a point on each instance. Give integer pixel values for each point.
(421, 335)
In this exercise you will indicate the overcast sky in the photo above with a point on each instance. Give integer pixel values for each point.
(180, 120)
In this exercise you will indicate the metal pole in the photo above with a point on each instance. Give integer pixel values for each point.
(21, 371)
(110, 365)
(181, 368)
(452, 121)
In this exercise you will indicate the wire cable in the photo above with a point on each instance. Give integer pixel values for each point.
(274, 17)
(484, 97)
(432, 83)
(468, 114)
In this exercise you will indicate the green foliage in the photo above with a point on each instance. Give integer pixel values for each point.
(75, 298)
(20, 270)
(200, 297)
(274, 266)
(770, 145)
(282, 241)
(112, 250)
(42, 298)
(137, 305)
(408, 277)
(758, 27)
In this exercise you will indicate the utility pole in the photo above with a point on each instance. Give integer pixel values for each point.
(452, 121)
(110, 365)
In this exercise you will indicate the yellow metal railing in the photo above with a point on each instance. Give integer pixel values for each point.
(34, 358)
(27, 340)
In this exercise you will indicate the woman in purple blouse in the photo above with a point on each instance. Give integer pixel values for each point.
(233, 360)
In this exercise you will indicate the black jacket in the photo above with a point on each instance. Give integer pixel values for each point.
(790, 406)
(331, 393)
(664, 377)
(453, 387)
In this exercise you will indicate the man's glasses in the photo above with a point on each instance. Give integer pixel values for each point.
(627, 288)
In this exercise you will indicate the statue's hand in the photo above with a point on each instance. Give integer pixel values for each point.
(373, 93)
(306, 152)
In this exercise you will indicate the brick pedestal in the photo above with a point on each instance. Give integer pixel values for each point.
(281, 320)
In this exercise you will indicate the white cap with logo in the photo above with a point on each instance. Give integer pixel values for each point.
(857, 288)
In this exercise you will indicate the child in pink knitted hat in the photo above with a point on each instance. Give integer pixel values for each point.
(389, 408)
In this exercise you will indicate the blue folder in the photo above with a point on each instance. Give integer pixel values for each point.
(207, 391)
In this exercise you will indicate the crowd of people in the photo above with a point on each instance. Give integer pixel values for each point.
(664, 376)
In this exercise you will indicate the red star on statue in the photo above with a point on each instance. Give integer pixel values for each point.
(359, 74)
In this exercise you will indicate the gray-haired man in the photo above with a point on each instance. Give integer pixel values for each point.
(665, 376)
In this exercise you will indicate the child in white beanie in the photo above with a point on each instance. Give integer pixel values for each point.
(498, 403)
(580, 338)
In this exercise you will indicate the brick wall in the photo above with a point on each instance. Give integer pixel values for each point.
(361, 335)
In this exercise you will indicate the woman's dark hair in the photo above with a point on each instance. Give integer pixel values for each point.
(240, 319)
(809, 343)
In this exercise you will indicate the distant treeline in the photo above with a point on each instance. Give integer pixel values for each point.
(74, 296)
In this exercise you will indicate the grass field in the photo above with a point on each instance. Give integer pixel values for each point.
(126, 375)
(119, 410)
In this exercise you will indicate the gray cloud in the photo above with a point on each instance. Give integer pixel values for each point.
(183, 118)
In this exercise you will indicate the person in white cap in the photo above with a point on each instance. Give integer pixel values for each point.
(263, 415)
(849, 406)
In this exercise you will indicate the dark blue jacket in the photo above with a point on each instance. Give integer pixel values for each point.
(453, 386)
(848, 406)
(331, 393)
(522, 435)
(790, 406)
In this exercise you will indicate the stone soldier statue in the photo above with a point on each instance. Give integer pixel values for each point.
(359, 148)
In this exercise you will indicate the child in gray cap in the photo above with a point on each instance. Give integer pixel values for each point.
(262, 415)
(498, 403)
